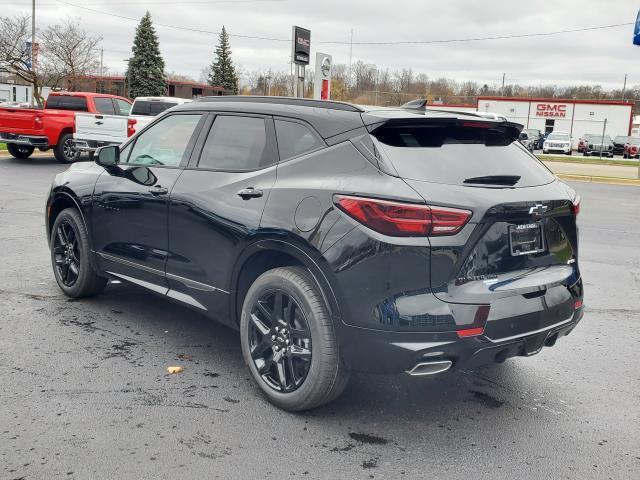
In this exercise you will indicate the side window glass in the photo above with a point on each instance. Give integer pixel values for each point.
(165, 143)
(236, 143)
(124, 107)
(104, 105)
(295, 139)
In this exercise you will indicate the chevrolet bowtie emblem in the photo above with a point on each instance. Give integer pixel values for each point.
(539, 209)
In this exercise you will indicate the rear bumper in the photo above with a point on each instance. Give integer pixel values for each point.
(39, 141)
(91, 145)
(389, 352)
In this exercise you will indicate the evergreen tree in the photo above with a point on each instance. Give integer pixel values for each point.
(223, 73)
(145, 74)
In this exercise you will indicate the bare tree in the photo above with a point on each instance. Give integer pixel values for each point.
(70, 51)
(14, 56)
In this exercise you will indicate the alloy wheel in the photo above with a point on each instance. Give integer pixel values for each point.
(69, 149)
(67, 254)
(280, 341)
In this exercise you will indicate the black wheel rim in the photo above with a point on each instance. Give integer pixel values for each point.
(280, 341)
(69, 149)
(66, 253)
(23, 149)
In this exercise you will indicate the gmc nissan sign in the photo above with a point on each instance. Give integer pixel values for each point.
(557, 110)
(301, 46)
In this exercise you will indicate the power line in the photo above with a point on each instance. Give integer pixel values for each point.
(397, 42)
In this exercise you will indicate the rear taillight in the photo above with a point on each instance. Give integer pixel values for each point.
(399, 219)
(575, 205)
(131, 127)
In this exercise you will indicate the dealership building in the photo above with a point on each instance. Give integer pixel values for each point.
(576, 117)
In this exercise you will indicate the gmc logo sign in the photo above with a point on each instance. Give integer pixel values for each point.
(551, 110)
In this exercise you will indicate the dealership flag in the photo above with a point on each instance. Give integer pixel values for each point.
(636, 31)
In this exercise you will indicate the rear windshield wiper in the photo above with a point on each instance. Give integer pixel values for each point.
(494, 180)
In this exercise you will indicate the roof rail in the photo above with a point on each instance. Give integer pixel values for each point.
(302, 102)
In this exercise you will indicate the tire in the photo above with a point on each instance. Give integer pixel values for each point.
(69, 229)
(570, 152)
(65, 151)
(20, 151)
(326, 375)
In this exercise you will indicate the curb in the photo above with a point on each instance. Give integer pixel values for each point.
(596, 179)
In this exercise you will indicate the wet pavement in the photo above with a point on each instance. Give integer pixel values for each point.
(85, 393)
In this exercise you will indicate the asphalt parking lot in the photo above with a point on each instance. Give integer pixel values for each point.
(85, 394)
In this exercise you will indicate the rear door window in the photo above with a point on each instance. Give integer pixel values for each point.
(104, 105)
(236, 143)
(453, 154)
(295, 139)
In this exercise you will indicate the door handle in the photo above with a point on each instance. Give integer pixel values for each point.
(158, 190)
(247, 193)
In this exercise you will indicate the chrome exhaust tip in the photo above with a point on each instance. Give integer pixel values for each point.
(430, 368)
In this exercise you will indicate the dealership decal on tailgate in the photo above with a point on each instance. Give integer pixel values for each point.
(526, 239)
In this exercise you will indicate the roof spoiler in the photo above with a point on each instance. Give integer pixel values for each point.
(511, 130)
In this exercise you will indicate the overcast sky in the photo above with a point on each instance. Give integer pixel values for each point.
(593, 57)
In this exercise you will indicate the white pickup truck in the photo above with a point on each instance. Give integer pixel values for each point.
(93, 131)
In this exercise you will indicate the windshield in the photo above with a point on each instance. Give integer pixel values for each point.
(453, 155)
(621, 139)
(600, 138)
(634, 141)
(151, 108)
(563, 137)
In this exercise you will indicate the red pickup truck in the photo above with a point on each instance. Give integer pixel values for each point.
(25, 129)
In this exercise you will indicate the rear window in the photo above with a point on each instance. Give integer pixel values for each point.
(151, 108)
(453, 154)
(67, 102)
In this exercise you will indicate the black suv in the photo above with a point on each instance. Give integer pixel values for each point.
(334, 238)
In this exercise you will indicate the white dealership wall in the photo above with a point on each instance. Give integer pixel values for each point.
(576, 117)
(10, 92)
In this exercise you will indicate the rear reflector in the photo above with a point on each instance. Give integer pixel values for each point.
(131, 127)
(577, 305)
(470, 332)
(399, 219)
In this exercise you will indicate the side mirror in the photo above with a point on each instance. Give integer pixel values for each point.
(108, 156)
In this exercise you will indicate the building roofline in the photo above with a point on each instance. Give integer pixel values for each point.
(558, 100)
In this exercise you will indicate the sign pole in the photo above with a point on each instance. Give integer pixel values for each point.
(300, 52)
(604, 129)
(33, 52)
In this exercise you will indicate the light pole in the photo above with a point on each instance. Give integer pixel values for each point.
(624, 86)
(33, 52)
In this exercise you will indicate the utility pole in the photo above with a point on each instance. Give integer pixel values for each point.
(502, 91)
(101, 60)
(33, 51)
(350, 59)
(604, 129)
(624, 86)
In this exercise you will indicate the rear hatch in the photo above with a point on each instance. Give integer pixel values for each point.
(520, 244)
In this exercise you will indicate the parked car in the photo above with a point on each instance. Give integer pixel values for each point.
(536, 136)
(632, 148)
(558, 142)
(583, 141)
(335, 238)
(114, 126)
(619, 143)
(526, 141)
(24, 130)
(597, 144)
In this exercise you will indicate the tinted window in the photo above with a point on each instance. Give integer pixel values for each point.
(236, 143)
(165, 143)
(67, 102)
(104, 105)
(125, 107)
(559, 136)
(295, 139)
(151, 108)
(449, 155)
